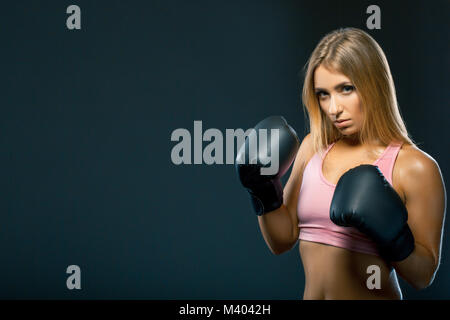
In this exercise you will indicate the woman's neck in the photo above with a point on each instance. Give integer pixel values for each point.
(354, 142)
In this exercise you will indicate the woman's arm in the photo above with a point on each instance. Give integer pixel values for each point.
(424, 189)
(280, 227)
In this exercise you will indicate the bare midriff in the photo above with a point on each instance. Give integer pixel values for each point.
(333, 273)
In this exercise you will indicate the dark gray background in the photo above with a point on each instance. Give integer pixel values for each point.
(86, 119)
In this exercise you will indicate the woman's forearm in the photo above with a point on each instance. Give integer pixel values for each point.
(419, 268)
(278, 230)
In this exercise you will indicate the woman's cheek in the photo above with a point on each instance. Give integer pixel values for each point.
(355, 104)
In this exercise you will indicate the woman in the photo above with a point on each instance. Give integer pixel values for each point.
(354, 119)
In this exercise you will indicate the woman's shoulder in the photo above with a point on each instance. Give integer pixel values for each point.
(304, 155)
(414, 165)
(411, 157)
(306, 150)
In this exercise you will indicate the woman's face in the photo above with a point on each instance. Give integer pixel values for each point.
(338, 99)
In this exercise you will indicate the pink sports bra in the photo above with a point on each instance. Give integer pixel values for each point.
(314, 203)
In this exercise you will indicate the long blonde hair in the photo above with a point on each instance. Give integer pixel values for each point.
(358, 56)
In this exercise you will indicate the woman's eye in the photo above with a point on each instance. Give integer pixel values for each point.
(321, 94)
(347, 89)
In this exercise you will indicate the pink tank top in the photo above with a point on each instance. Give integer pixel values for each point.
(314, 203)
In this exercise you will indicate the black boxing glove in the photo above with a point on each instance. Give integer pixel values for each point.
(365, 200)
(266, 190)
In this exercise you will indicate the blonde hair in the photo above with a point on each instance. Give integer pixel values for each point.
(358, 56)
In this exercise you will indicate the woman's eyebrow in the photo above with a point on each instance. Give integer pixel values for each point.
(338, 86)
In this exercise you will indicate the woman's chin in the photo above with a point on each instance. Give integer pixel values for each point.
(347, 132)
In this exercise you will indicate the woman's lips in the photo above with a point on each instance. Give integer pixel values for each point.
(342, 123)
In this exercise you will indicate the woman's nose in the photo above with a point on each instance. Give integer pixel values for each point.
(334, 106)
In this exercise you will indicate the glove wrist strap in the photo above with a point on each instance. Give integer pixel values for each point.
(267, 198)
